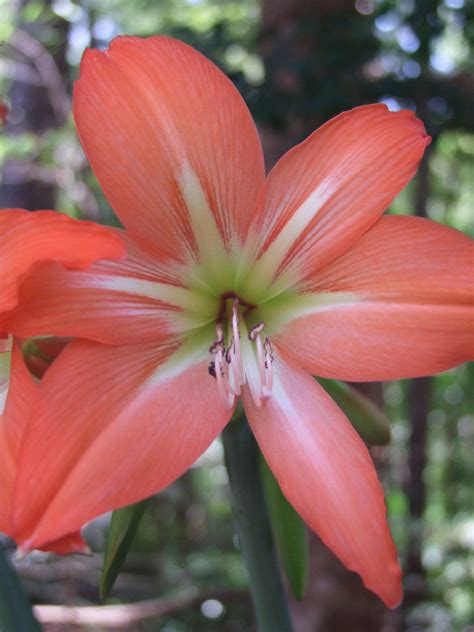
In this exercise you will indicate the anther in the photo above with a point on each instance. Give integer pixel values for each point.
(216, 345)
(260, 359)
(268, 350)
(253, 333)
(212, 369)
(268, 383)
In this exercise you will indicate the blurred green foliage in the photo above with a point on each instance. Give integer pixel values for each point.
(448, 527)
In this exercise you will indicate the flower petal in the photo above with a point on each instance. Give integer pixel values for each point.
(408, 311)
(325, 471)
(326, 192)
(22, 400)
(21, 396)
(151, 411)
(134, 300)
(171, 142)
(27, 238)
(71, 543)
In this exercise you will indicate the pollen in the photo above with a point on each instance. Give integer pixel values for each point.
(242, 356)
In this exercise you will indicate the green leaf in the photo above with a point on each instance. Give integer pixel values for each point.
(15, 609)
(290, 532)
(367, 418)
(122, 529)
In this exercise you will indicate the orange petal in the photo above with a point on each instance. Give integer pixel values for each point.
(28, 238)
(72, 543)
(325, 471)
(22, 396)
(410, 293)
(327, 191)
(114, 302)
(171, 142)
(22, 400)
(120, 425)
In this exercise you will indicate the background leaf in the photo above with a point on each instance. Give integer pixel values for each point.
(290, 532)
(366, 417)
(120, 535)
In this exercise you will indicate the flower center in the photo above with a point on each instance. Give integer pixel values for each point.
(240, 355)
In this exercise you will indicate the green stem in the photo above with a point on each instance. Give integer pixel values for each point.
(253, 528)
(15, 608)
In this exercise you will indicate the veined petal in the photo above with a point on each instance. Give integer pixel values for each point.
(19, 399)
(408, 308)
(137, 299)
(172, 144)
(151, 411)
(325, 471)
(327, 191)
(22, 400)
(27, 238)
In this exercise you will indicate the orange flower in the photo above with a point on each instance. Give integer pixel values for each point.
(28, 239)
(234, 285)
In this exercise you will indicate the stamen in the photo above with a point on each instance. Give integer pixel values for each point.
(228, 365)
(228, 353)
(227, 396)
(265, 360)
(234, 376)
(219, 341)
(236, 338)
(253, 333)
(212, 369)
(252, 366)
(219, 368)
(261, 360)
(268, 365)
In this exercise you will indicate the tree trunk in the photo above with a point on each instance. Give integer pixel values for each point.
(39, 102)
(415, 487)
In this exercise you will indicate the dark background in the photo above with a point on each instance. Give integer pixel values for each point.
(297, 63)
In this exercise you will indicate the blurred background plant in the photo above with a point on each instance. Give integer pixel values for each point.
(297, 63)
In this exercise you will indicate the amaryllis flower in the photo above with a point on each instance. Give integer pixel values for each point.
(234, 286)
(26, 240)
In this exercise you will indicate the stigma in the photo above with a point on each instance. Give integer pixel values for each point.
(241, 356)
